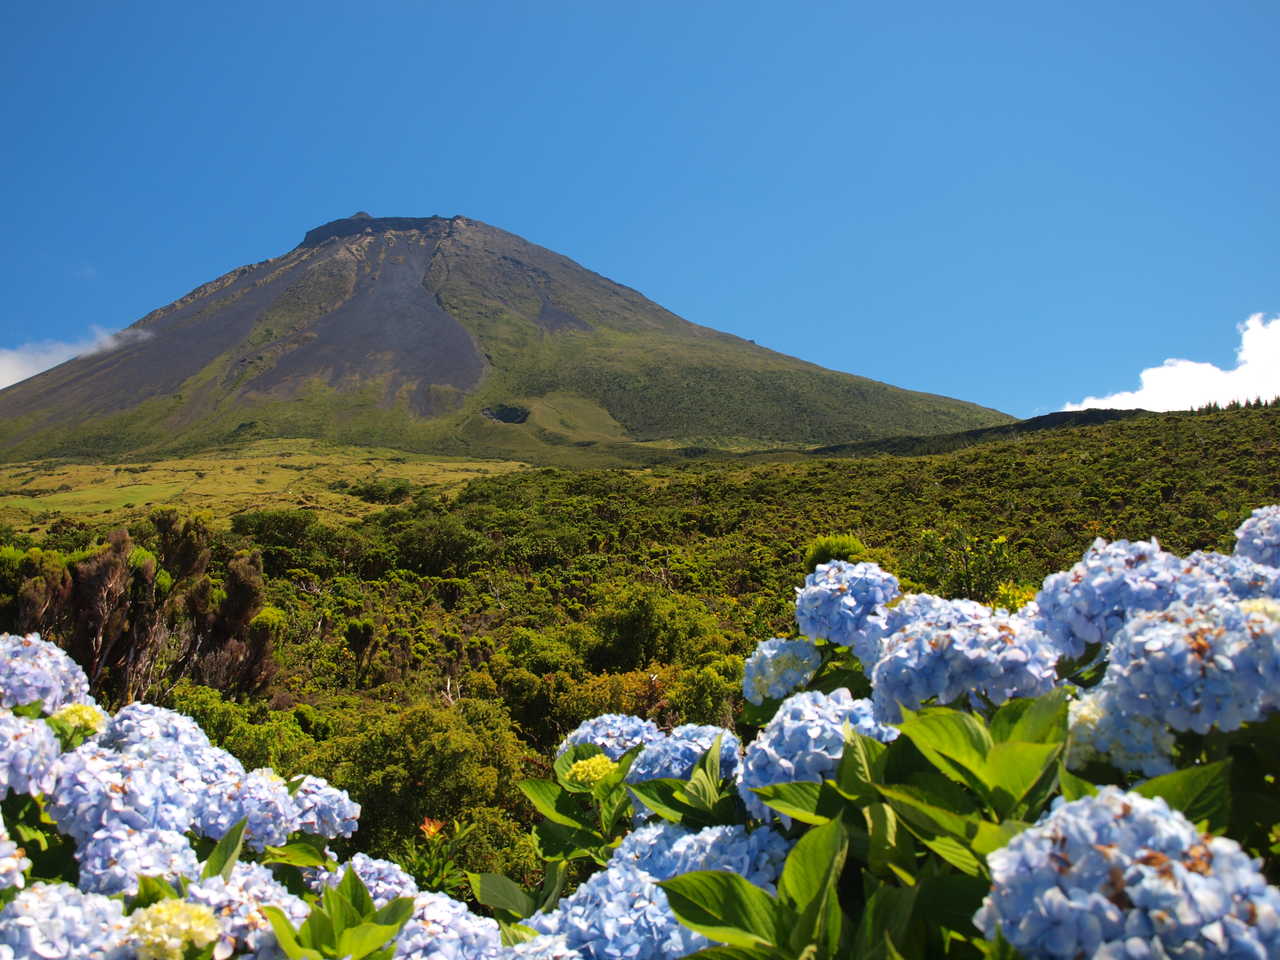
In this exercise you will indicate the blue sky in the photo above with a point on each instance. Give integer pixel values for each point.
(1022, 205)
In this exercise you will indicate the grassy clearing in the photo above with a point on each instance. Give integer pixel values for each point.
(261, 474)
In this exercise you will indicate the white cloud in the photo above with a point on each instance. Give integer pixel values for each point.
(1187, 384)
(19, 363)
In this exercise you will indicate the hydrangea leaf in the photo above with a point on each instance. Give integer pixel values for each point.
(299, 853)
(861, 766)
(955, 853)
(1073, 787)
(554, 803)
(1203, 794)
(500, 893)
(556, 842)
(808, 866)
(514, 933)
(363, 939)
(1012, 769)
(225, 852)
(956, 743)
(726, 907)
(812, 803)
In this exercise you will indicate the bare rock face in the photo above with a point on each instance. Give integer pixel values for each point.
(380, 326)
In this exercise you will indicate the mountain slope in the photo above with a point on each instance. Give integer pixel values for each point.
(450, 336)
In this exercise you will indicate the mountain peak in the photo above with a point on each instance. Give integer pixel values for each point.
(361, 222)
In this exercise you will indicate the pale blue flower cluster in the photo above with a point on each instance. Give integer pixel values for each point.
(58, 921)
(13, 862)
(666, 850)
(237, 904)
(619, 913)
(842, 602)
(993, 660)
(779, 668)
(1258, 538)
(33, 670)
(384, 880)
(441, 928)
(100, 789)
(1199, 668)
(1207, 575)
(614, 733)
(144, 725)
(324, 810)
(1089, 603)
(1117, 875)
(804, 741)
(28, 752)
(1101, 731)
(677, 753)
(259, 796)
(113, 859)
(547, 947)
(917, 609)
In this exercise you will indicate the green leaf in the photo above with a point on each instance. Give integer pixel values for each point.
(299, 853)
(808, 865)
(286, 936)
(359, 941)
(923, 814)
(495, 890)
(395, 913)
(888, 914)
(225, 852)
(728, 908)
(1013, 768)
(1046, 719)
(320, 929)
(553, 878)
(30, 711)
(665, 797)
(152, 890)
(992, 836)
(813, 803)
(1203, 794)
(861, 766)
(955, 742)
(356, 893)
(514, 933)
(1073, 787)
(703, 787)
(956, 853)
(554, 803)
(554, 841)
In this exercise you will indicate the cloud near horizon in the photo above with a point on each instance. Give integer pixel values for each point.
(1187, 384)
(19, 363)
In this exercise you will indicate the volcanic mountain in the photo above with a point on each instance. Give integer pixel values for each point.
(444, 335)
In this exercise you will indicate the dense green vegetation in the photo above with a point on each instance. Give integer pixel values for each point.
(467, 629)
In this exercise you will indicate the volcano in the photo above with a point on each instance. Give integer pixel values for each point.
(445, 335)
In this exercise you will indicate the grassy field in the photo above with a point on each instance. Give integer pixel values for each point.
(258, 475)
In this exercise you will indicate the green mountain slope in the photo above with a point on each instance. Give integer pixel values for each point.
(447, 336)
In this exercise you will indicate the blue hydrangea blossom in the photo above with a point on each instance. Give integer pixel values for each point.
(1100, 731)
(237, 904)
(666, 850)
(1258, 538)
(324, 810)
(384, 880)
(804, 741)
(1118, 875)
(778, 668)
(614, 733)
(56, 920)
(13, 862)
(1089, 603)
(441, 928)
(144, 724)
(842, 602)
(115, 857)
(997, 659)
(28, 752)
(34, 670)
(260, 796)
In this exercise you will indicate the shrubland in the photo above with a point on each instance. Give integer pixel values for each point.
(431, 656)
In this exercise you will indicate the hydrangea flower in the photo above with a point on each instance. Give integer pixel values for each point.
(546, 947)
(13, 861)
(666, 850)
(1204, 667)
(115, 857)
(614, 733)
(677, 754)
(1118, 875)
(384, 880)
(96, 788)
(143, 724)
(1089, 603)
(1100, 731)
(778, 668)
(441, 928)
(28, 752)
(589, 771)
(1207, 576)
(619, 913)
(996, 658)
(916, 610)
(164, 930)
(324, 810)
(1258, 538)
(33, 670)
(804, 741)
(56, 920)
(85, 716)
(260, 796)
(841, 602)
(237, 904)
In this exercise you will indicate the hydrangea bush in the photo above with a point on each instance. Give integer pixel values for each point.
(1093, 775)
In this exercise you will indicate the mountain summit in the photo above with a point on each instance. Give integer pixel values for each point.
(445, 335)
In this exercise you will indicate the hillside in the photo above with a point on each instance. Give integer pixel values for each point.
(451, 337)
